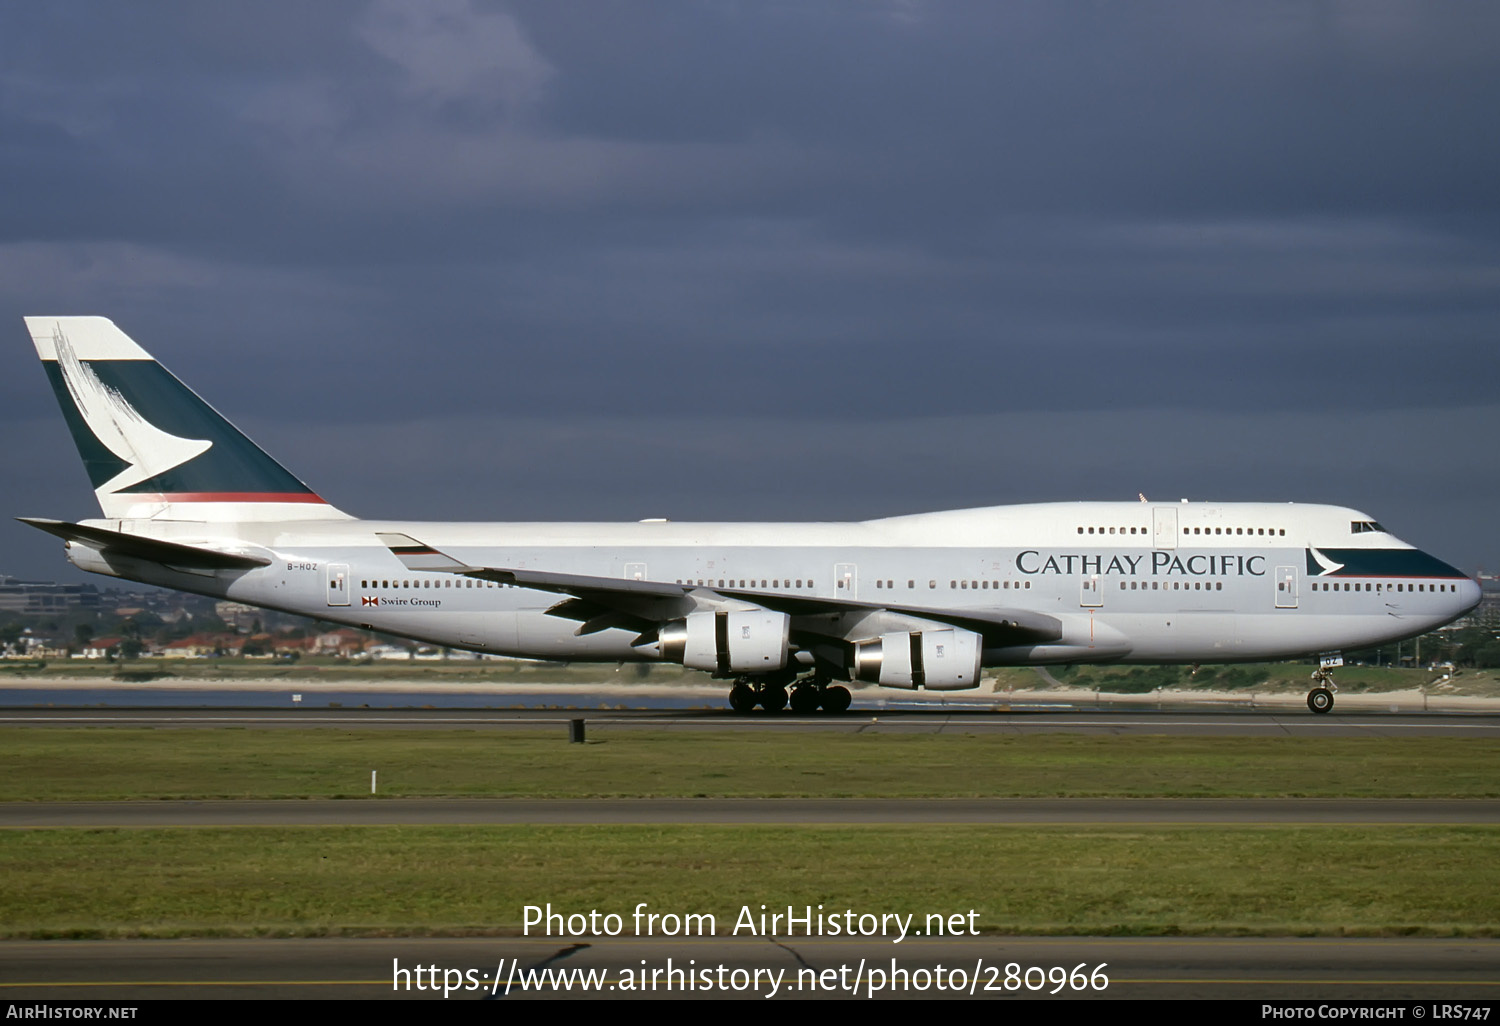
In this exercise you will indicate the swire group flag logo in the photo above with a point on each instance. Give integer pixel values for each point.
(369, 600)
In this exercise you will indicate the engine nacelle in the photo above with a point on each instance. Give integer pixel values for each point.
(85, 558)
(938, 660)
(738, 641)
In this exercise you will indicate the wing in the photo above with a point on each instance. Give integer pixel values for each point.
(604, 602)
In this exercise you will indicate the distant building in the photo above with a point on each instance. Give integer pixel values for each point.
(17, 596)
(342, 643)
(100, 648)
(1489, 598)
(237, 614)
(202, 646)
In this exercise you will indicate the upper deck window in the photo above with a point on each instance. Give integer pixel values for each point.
(1363, 526)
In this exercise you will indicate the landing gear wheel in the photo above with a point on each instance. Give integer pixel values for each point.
(742, 698)
(773, 698)
(1320, 700)
(805, 699)
(836, 699)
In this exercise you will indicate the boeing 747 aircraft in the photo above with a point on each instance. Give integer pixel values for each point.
(781, 610)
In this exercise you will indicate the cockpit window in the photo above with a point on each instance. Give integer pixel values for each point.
(1363, 526)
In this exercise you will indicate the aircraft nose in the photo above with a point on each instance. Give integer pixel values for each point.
(1469, 595)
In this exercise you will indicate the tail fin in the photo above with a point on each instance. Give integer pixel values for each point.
(152, 448)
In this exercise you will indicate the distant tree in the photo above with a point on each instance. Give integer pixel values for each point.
(82, 634)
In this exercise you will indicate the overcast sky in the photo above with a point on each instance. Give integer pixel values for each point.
(449, 259)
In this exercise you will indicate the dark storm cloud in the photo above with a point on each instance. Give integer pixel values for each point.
(851, 231)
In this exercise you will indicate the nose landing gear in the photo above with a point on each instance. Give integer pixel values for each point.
(1320, 698)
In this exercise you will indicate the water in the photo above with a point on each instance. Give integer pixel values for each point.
(583, 698)
(147, 697)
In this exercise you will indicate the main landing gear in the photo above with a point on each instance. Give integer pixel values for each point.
(769, 691)
(1320, 698)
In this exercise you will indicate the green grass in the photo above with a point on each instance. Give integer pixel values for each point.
(1295, 880)
(1225, 880)
(68, 763)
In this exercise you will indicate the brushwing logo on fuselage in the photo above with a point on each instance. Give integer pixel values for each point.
(1326, 566)
(120, 428)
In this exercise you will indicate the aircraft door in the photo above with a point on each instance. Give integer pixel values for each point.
(635, 571)
(1164, 522)
(1092, 592)
(1286, 587)
(338, 584)
(846, 581)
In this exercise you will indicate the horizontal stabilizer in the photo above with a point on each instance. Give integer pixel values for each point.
(153, 549)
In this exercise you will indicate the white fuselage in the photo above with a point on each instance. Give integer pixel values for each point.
(1130, 582)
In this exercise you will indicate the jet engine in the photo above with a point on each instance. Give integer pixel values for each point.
(938, 660)
(738, 641)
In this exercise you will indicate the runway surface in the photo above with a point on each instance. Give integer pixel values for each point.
(1225, 723)
(778, 811)
(798, 967)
